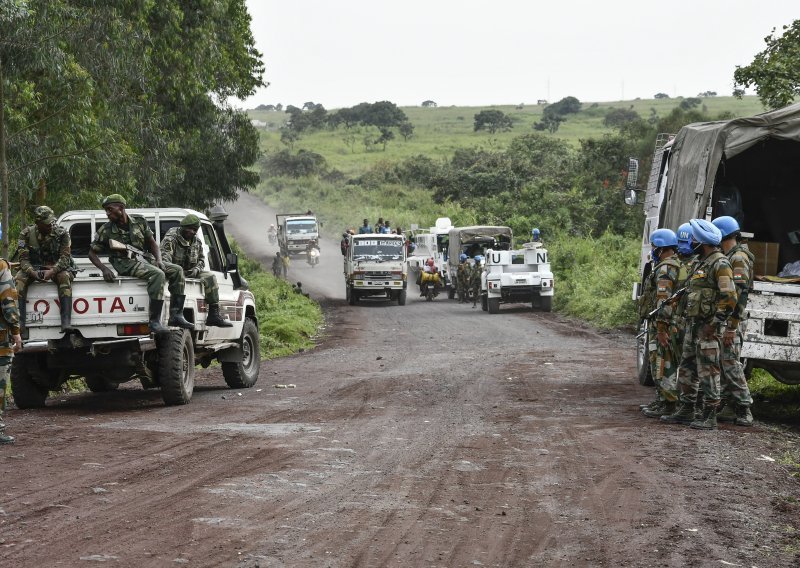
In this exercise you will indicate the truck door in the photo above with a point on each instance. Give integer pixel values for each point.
(215, 263)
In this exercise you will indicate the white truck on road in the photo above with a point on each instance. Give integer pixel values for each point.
(746, 168)
(432, 243)
(375, 265)
(295, 231)
(113, 343)
(516, 276)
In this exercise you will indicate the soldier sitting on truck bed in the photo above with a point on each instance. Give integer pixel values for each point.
(45, 254)
(182, 247)
(133, 231)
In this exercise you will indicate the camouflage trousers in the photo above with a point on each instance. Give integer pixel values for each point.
(62, 279)
(210, 288)
(154, 275)
(733, 382)
(664, 362)
(461, 288)
(700, 366)
(5, 371)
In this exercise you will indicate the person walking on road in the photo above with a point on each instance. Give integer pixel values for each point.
(711, 299)
(10, 338)
(736, 399)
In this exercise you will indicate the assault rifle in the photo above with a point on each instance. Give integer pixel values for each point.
(129, 250)
(40, 270)
(672, 299)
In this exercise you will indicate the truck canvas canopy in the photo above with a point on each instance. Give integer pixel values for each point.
(490, 236)
(704, 152)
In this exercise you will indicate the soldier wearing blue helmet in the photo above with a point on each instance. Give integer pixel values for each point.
(736, 399)
(659, 286)
(462, 278)
(711, 299)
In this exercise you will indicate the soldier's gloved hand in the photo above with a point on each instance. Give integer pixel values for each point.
(663, 338)
(108, 276)
(709, 331)
(728, 337)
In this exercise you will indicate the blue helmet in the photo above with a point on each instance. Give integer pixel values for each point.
(462, 257)
(478, 258)
(535, 235)
(661, 238)
(727, 225)
(705, 233)
(685, 239)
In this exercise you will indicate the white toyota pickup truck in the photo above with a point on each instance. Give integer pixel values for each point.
(113, 343)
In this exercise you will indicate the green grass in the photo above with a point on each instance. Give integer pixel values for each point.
(774, 401)
(440, 131)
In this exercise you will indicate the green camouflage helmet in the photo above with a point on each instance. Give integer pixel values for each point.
(43, 214)
(114, 198)
(191, 220)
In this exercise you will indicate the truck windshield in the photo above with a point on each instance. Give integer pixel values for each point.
(300, 227)
(379, 250)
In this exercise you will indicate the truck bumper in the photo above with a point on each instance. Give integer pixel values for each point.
(378, 287)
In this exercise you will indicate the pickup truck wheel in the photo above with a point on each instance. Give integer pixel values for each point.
(401, 298)
(484, 302)
(27, 392)
(643, 358)
(97, 383)
(546, 303)
(244, 374)
(494, 305)
(176, 367)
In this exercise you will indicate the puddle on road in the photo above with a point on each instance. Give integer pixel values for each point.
(224, 428)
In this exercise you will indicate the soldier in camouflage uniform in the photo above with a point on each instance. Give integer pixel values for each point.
(133, 230)
(736, 398)
(182, 247)
(462, 279)
(664, 280)
(10, 340)
(711, 299)
(475, 279)
(45, 254)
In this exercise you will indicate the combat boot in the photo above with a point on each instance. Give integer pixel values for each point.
(176, 313)
(155, 317)
(684, 414)
(666, 408)
(4, 438)
(66, 314)
(709, 420)
(214, 318)
(727, 413)
(653, 403)
(743, 415)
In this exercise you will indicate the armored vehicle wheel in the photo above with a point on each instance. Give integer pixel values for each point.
(97, 383)
(244, 374)
(176, 367)
(401, 298)
(484, 302)
(546, 303)
(27, 392)
(493, 305)
(643, 357)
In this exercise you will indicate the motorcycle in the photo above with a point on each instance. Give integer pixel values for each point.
(429, 285)
(312, 257)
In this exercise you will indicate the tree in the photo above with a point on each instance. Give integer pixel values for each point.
(567, 105)
(385, 137)
(618, 117)
(493, 120)
(661, 96)
(775, 72)
(289, 136)
(549, 122)
(406, 130)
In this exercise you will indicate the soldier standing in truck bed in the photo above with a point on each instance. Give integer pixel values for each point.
(45, 254)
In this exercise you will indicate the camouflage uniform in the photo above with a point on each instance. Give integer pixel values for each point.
(136, 235)
(664, 364)
(734, 383)
(189, 256)
(711, 299)
(462, 281)
(679, 322)
(9, 325)
(475, 282)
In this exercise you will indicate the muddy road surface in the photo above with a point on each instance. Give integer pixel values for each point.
(432, 434)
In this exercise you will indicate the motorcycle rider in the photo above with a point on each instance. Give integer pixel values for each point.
(310, 248)
(272, 234)
(428, 277)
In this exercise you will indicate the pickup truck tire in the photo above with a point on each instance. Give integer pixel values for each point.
(546, 303)
(27, 392)
(643, 359)
(493, 304)
(401, 298)
(244, 374)
(176, 367)
(97, 383)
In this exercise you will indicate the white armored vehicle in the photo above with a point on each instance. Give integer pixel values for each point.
(517, 276)
(375, 265)
(432, 243)
(113, 344)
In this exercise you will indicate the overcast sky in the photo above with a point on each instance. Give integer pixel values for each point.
(474, 53)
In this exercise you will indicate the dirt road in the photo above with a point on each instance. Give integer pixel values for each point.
(432, 434)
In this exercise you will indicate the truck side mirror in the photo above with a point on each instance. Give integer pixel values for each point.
(631, 196)
(633, 174)
(231, 261)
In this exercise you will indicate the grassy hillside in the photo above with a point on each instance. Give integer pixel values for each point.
(439, 131)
